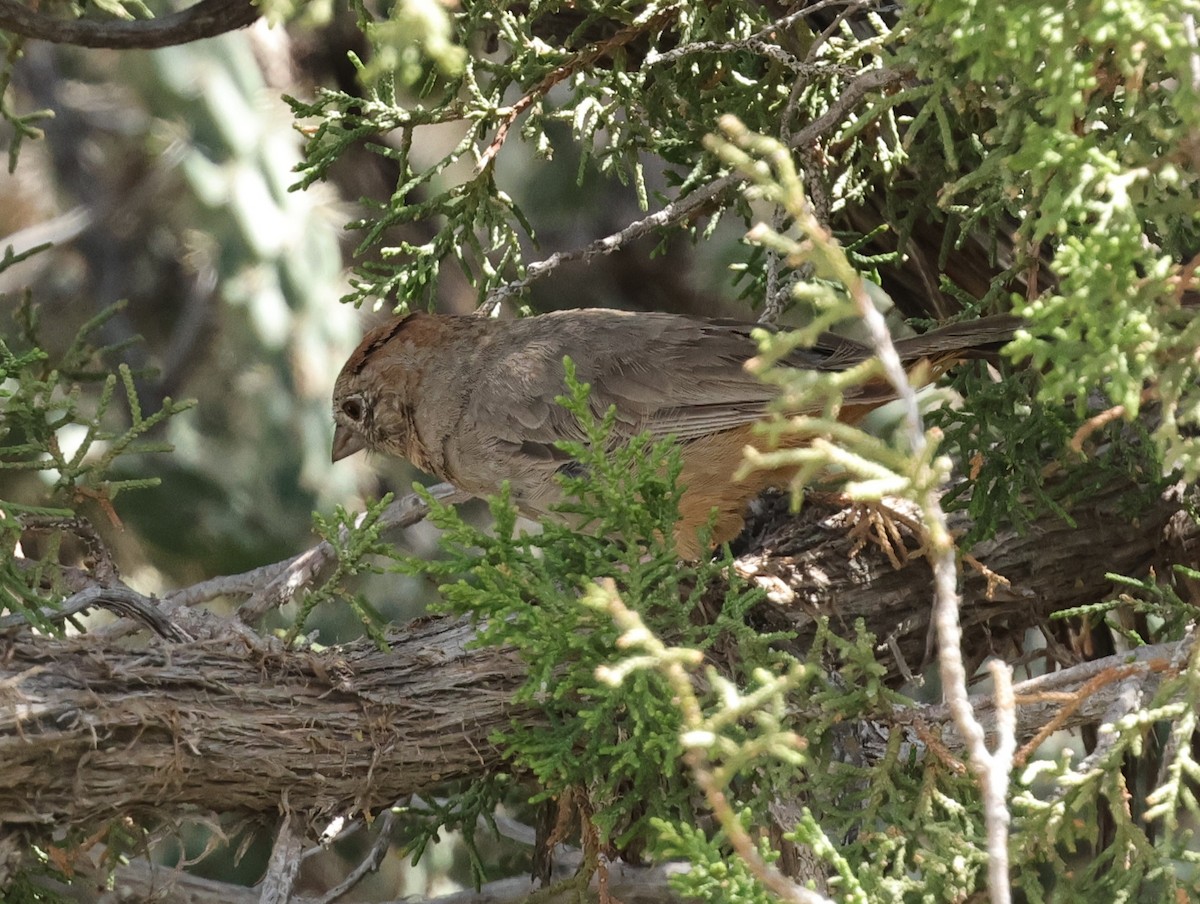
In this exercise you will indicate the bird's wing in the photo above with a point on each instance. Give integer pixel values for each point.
(665, 374)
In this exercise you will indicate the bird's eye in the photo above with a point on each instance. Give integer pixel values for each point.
(353, 409)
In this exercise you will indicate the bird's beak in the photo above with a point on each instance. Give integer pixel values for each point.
(346, 442)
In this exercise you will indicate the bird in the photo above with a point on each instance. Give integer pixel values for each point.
(471, 400)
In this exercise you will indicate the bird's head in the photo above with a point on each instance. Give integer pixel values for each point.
(375, 394)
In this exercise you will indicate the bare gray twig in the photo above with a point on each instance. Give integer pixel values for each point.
(300, 571)
(284, 865)
(673, 213)
(1035, 699)
(631, 884)
(832, 27)
(121, 601)
(1189, 31)
(203, 20)
(871, 80)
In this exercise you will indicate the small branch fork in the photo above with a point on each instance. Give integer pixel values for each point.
(267, 587)
(369, 863)
(298, 572)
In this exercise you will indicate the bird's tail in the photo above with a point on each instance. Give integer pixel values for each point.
(968, 339)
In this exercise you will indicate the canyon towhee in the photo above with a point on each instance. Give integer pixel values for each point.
(472, 400)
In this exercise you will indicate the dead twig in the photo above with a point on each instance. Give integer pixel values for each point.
(1073, 702)
(284, 865)
(121, 601)
(300, 571)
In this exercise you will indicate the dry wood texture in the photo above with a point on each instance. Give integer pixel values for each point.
(93, 727)
(88, 730)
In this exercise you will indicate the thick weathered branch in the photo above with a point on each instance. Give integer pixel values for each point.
(202, 20)
(219, 725)
(228, 723)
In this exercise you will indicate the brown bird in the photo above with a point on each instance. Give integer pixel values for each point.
(472, 400)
